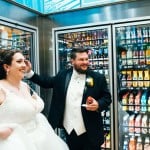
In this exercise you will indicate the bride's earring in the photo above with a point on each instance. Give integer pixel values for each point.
(7, 72)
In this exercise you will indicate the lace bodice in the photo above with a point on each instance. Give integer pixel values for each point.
(21, 107)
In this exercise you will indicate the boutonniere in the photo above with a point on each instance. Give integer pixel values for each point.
(89, 82)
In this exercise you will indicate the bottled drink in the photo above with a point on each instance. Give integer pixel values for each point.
(147, 144)
(137, 101)
(133, 34)
(138, 124)
(131, 102)
(144, 124)
(143, 102)
(123, 79)
(135, 56)
(131, 123)
(147, 53)
(125, 123)
(132, 143)
(125, 101)
(128, 35)
(139, 144)
(142, 56)
(129, 56)
(146, 78)
(135, 77)
(140, 78)
(125, 144)
(148, 103)
(129, 78)
(108, 141)
(123, 57)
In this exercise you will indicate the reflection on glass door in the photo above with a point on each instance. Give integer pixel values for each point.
(20, 37)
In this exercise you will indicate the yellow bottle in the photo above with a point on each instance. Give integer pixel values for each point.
(146, 78)
(148, 56)
(135, 77)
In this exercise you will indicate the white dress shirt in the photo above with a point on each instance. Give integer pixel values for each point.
(73, 116)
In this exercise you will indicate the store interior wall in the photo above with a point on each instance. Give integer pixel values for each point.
(46, 23)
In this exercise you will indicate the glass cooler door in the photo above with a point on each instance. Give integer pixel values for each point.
(18, 36)
(132, 61)
(98, 41)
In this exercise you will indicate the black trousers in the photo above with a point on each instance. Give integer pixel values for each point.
(80, 142)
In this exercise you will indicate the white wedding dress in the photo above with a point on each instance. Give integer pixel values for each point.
(31, 130)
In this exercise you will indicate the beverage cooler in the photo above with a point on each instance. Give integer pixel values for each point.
(17, 36)
(98, 40)
(132, 85)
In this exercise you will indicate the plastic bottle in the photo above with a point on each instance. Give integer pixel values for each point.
(125, 123)
(132, 143)
(138, 121)
(123, 79)
(125, 101)
(139, 145)
(147, 53)
(144, 124)
(146, 78)
(125, 144)
(129, 78)
(129, 56)
(131, 102)
(143, 102)
(131, 123)
(108, 141)
(140, 78)
(148, 103)
(135, 77)
(147, 144)
(137, 101)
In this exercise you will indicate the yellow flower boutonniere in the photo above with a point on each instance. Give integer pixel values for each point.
(89, 82)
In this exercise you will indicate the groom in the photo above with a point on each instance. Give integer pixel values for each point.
(79, 96)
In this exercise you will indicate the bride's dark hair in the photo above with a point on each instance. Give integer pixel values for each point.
(6, 57)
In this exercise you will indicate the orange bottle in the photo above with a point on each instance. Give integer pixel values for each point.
(132, 143)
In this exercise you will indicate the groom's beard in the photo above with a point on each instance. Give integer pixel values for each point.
(79, 70)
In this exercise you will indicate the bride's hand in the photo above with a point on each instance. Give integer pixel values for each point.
(5, 132)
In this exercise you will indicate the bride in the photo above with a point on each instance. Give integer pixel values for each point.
(22, 125)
